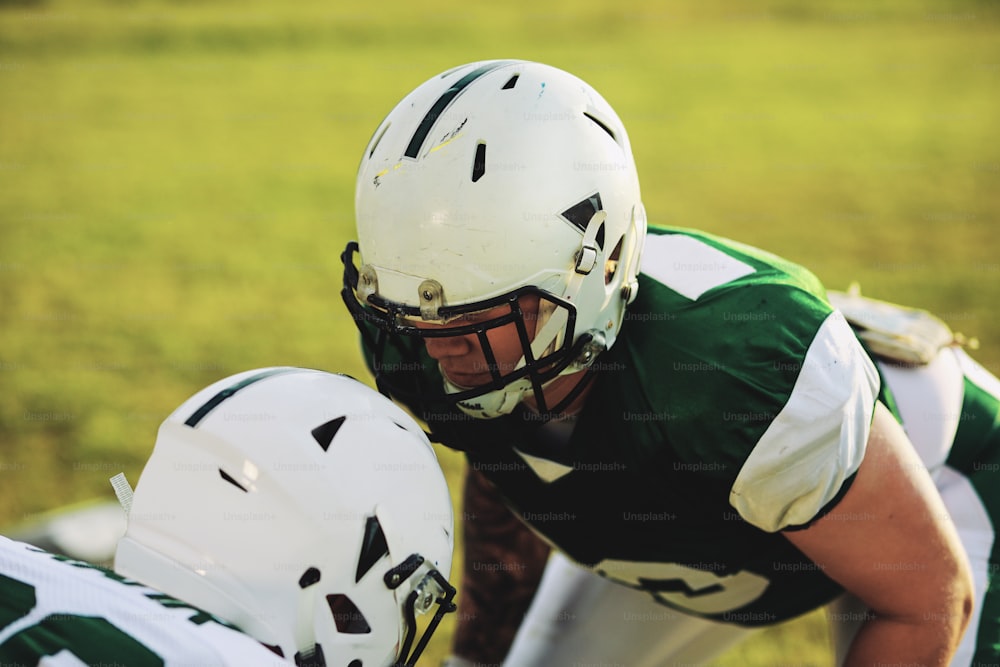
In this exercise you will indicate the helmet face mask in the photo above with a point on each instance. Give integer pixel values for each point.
(304, 508)
(486, 183)
(432, 589)
(388, 321)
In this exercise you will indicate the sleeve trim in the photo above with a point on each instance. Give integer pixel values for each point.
(816, 443)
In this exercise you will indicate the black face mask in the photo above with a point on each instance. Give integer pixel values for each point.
(434, 591)
(405, 371)
(408, 652)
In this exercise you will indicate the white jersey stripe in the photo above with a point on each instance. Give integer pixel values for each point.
(689, 266)
(929, 399)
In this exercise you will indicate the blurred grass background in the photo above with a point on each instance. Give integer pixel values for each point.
(176, 184)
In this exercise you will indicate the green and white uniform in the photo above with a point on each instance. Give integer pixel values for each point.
(58, 612)
(736, 403)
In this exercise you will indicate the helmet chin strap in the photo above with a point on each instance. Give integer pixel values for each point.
(494, 403)
(501, 402)
(309, 652)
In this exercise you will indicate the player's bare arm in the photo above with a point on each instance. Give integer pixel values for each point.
(904, 560)
(504, 560)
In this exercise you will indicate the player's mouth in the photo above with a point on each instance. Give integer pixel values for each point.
(462, 379)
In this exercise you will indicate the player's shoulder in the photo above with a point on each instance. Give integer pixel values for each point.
(721, 336)
(698, 267)
(706, 299)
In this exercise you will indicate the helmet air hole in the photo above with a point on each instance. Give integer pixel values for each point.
(324, 433)
(313, 658)
(580, 213)
(511, 82)
(479, 164)
(373, 547)
(442, 103)
(309, 577)
(378, 139)
(226, 476)
(347, 616)
(601, 125)
(229, 391)
(611, 266)
(274, 649)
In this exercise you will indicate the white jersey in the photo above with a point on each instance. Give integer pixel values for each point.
(55, 611)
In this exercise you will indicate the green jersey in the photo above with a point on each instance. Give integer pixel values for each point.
(736, 403)
(58, 611)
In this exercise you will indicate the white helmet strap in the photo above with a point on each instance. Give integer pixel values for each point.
(123, 491)
(630, 282)
(590, 251)
(586, 260)
(305, 631)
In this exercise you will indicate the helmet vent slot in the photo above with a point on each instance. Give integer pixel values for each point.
(309, 577)
(226, 476)
(373, 547)
(479, 164)
(312, 658)
(579, 214)
(611, 266)
(324, 433)
(229, 391)
(378, 138)
(442, 103)
(599, 239)
(511, 82)
(601, 125)
(274, 649)
(347, 616)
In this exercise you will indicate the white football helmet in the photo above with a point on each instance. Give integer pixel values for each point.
(491, 181)
(303, 507)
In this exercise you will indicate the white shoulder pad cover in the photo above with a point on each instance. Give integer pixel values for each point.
(818, 439)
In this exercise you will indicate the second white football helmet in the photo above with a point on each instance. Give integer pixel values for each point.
(301, 506)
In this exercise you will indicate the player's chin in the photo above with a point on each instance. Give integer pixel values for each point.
(465, 380)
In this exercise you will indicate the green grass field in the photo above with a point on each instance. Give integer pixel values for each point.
(176, 184)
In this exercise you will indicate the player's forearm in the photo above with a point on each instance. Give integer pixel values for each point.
(905, 560)
(929, 640)
(502, 566)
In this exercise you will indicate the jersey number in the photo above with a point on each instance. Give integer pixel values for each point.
(91, 639)
(685, 588)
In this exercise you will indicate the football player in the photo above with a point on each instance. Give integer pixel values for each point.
(701, 436)
(285, 516)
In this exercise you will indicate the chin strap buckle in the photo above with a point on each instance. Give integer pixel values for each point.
(590, 350)
(586, 260)
(590, 247)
